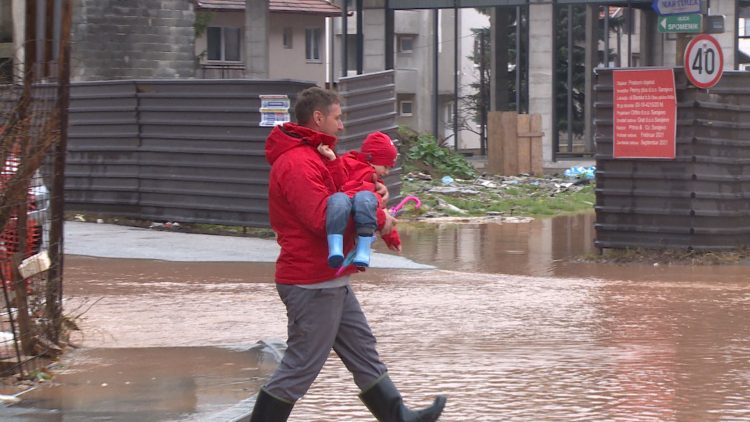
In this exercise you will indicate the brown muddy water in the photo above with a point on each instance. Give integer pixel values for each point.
(507, 326)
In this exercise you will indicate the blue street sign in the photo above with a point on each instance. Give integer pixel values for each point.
(676, 7)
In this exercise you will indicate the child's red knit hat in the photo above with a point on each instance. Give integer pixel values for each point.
(379, 149)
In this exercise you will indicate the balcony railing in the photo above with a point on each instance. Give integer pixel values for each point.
(222, 71)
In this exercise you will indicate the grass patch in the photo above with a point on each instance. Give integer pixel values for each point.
(527, 200)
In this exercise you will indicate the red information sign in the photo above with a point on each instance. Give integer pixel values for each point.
(645, 113)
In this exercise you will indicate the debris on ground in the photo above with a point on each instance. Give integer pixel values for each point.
(496, 196)
(169, 225)
(489, 219)
(579, 172)
(8, 400)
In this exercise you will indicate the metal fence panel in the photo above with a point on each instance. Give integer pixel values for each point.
(193, 150)
(102, 165)
(172, 150)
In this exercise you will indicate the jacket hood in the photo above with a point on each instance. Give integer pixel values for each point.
(359, 156)
(291, 135)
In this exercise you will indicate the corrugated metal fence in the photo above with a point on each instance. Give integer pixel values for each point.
(171, 150)
(192, 150)
(699, 200)
(369, 105)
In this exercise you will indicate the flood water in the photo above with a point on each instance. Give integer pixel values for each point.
(544, 247)
(508, 326)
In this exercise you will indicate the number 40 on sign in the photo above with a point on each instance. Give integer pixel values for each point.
(704, 61)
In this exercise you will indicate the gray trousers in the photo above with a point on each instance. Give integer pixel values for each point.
(318, 320)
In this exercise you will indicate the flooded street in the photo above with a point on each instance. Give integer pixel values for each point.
(507, 326)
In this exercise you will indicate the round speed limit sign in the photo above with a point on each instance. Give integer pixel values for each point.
(704, 61)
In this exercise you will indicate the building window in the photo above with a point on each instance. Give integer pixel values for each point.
(6, 70)
(6, 22)
(223, 44)
(351, 52)
(312, 44)
(406, 108)
(449, 113)
(287, 37)
(628, 26)
(743, 35)
(405, 43)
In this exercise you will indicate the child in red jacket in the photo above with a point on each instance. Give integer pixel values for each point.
(362, 195)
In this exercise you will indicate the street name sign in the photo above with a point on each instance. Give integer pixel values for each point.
(676, 7)
(692, 23)
(704, 61)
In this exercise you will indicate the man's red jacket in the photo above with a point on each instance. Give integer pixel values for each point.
(299, 185)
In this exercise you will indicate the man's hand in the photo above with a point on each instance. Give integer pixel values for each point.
(382, 190)
(326, 151)
(390, 223)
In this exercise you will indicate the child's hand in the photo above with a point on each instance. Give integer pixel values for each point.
(326, 151)
(389, 225)
(382, 190)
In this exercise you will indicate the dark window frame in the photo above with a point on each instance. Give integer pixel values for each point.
(224, 32)
(313, 45)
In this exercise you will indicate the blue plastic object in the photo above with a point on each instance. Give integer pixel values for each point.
(580, 172)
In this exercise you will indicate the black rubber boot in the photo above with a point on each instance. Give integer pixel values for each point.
(386, 404)
(270, 409)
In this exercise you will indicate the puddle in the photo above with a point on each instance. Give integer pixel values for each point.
(145, 384)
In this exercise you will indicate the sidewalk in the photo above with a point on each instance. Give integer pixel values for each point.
(114, 241)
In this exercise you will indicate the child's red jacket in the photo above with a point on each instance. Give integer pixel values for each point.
(352, 173)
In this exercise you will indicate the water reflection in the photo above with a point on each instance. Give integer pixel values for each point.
(146, 384)
(533, 248)
(543, 247)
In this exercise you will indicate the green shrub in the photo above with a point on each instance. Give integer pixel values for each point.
(423, 153)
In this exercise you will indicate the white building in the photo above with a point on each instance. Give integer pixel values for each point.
(414, 46)
(296, 39)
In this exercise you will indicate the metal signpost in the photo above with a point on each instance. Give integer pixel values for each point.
(704, 61)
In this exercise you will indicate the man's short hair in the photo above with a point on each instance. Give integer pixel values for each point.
(312, 99)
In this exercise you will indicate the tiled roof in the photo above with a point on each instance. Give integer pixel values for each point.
(307, 7)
